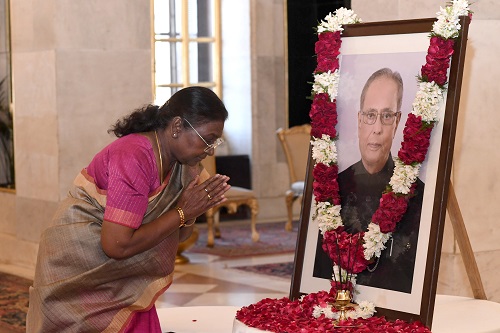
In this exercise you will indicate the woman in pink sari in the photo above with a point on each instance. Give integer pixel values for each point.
(111, 249)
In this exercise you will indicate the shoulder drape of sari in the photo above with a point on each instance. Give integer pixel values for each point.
(77, 288)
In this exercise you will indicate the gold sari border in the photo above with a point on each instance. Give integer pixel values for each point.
(121, 320)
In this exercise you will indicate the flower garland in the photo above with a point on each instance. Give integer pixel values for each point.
(416, 139)
(314, 312)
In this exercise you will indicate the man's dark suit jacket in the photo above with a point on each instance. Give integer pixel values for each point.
(360, 194)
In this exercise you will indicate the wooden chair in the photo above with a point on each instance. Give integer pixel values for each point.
(236, 196)
(295, 142)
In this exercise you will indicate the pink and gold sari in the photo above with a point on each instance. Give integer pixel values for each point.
(77, 287)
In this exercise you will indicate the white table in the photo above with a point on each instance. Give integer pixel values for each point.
(452, 314)
(197, 319)
(455, 314)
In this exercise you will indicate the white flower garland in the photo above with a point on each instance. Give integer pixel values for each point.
(374, 241)
(428, 101)
(324, 150)
(327, 215)
(335, 22)
(327, 83)
(404, 175)
(447, 24)
(363, 310)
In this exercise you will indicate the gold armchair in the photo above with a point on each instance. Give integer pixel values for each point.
(236, 196)
(295, 142)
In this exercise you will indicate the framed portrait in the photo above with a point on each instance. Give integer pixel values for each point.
(400, 46)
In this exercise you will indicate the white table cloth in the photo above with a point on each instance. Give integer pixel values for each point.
(455, 314)
(452, 314)
(197, 319)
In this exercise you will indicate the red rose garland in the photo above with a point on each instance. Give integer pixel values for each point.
(328, 49)
(438, 60)
(323, 115)
(416, 139)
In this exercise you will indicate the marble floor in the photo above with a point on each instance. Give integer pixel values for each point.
(213, 280)
(209, 280)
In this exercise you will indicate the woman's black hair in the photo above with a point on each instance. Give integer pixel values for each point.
(196, 104)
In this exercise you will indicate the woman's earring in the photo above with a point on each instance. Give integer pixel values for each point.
(174, 135)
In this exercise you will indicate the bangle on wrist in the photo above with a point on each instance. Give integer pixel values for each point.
(181, 215)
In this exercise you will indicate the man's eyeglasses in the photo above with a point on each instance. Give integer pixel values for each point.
(214, 145)
(386, 117)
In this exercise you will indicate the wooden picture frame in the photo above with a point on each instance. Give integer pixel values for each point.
(371, 46)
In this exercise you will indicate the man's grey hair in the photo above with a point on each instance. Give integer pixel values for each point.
(388, 73)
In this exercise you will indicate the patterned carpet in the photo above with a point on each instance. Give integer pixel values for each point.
(236, 240)
(14, 295)
(283, 270)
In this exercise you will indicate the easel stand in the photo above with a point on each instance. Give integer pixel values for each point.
(457, 222)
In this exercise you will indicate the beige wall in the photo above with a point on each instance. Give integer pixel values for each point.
(77, 66)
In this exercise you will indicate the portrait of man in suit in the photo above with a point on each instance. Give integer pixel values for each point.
(361, 186)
